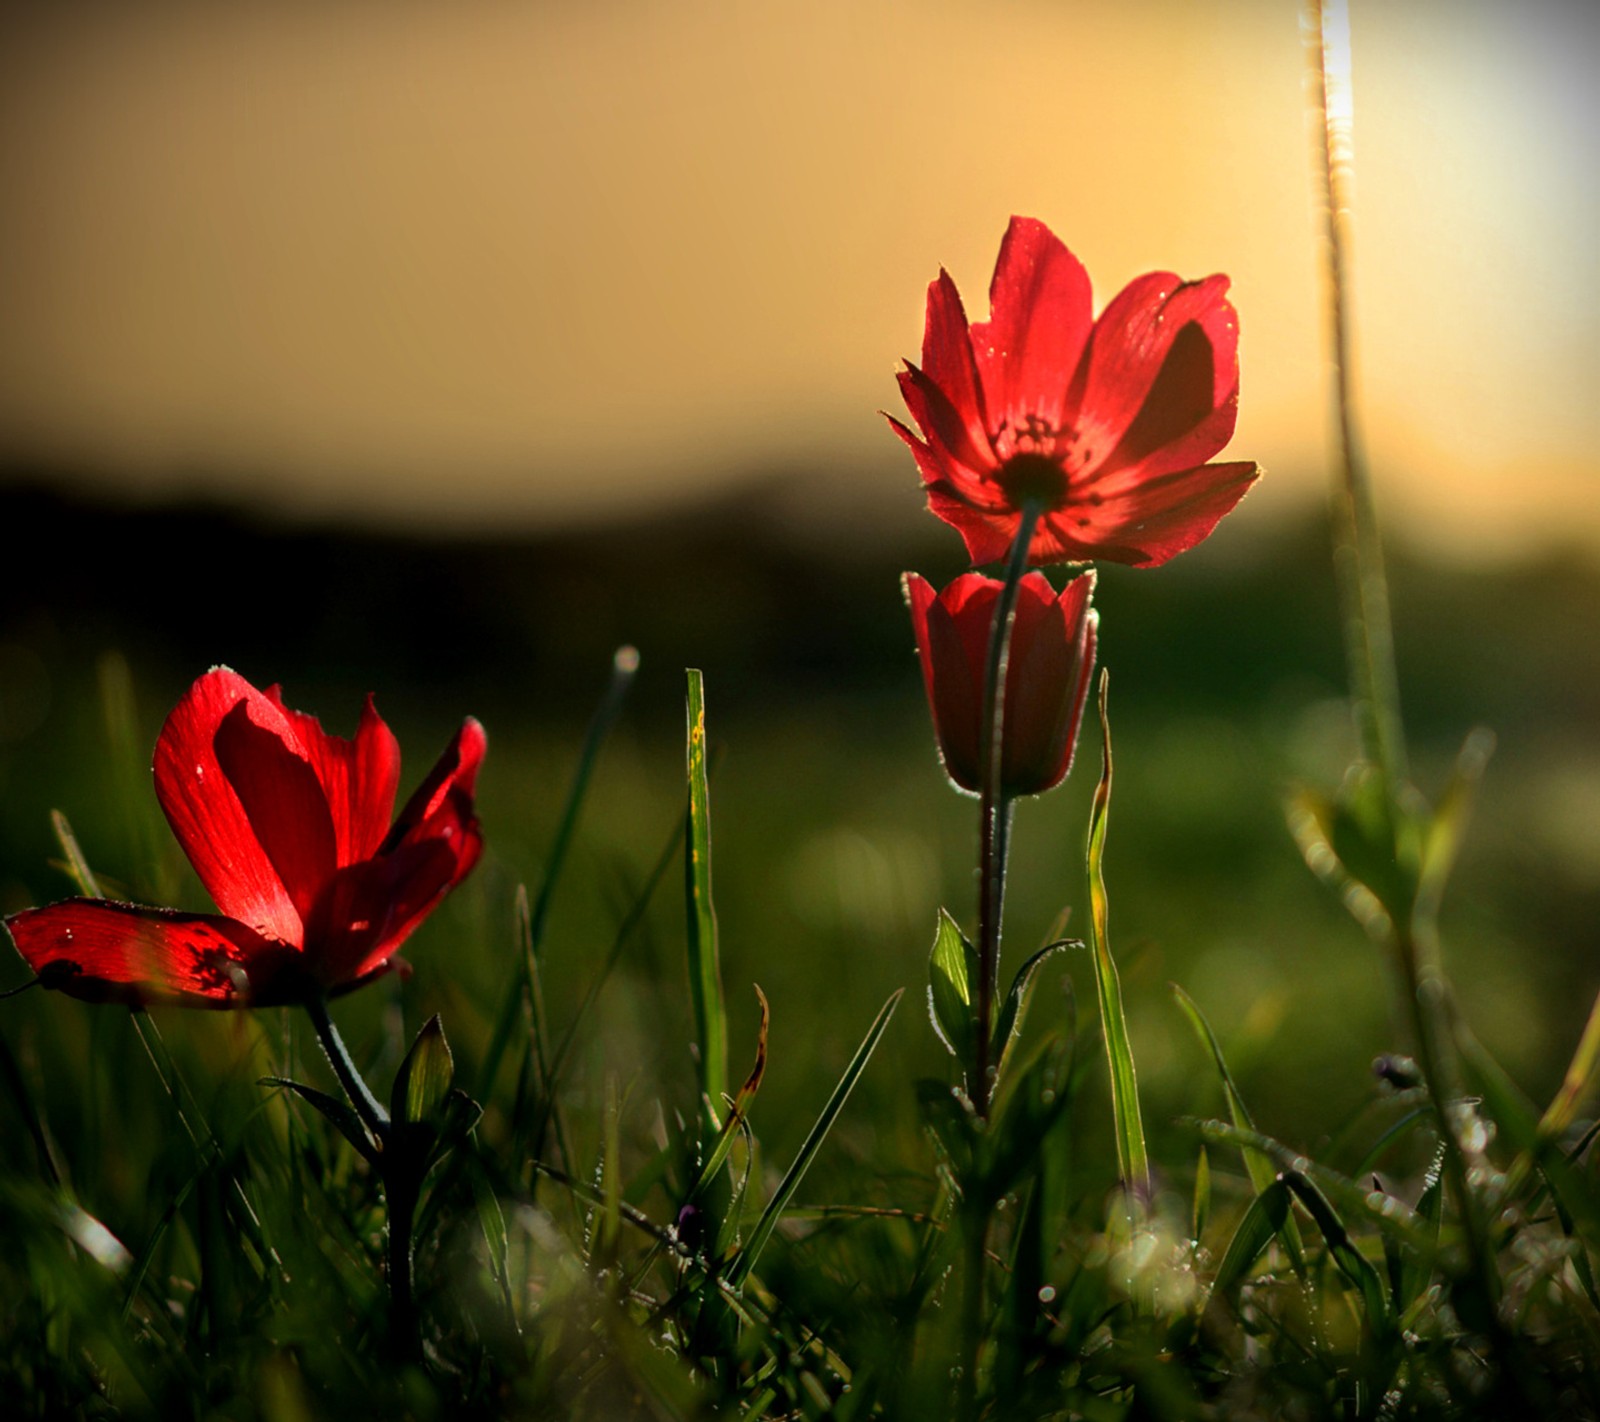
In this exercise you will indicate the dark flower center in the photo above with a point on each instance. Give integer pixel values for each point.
(1035, 479)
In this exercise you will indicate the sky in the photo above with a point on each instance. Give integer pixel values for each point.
(493, 265)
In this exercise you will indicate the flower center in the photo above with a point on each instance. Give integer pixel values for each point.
(1033, 478)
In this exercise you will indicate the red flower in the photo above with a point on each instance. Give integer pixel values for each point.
(1047, 678)
(288, 829)
(1106, 424)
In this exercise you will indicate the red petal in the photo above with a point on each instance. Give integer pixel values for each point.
(987, 535)
(284, 802)
(942, 423)
(1183, 334)
(947, 359)
(452, 779)
(102, 951)
(370, 909)
(359, 778)
(204, 811)
(1040, 316)
(1156, 519)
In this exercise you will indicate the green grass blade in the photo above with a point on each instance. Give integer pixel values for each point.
(1389, 1214)
(1260, 1168)
(624, 666)
(1353, 1264)
(812, 1143)
(1260, 1223)
(705, 972)
(1133, 1163)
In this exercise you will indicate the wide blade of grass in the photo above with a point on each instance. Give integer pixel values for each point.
(705, 972)
(1255, 1231)
(1133, 1163)
(811, 1145)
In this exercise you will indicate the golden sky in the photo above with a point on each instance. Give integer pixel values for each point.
(486, 262)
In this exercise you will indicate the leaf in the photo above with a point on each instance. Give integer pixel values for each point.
(1014, 1010)
(1200, 1217)
(746, 1260)
(1382, 1210)
(425, 1077)
(1416, 1266)
(951, 967)
(1255, 1231)
(1352, 1263)
(339, 1112)
(1441, 841)
(1259, 1166)
(741, 1103)
(624, 666)
(705, 973)
(1132, 1162)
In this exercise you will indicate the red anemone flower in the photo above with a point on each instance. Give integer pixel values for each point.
(288, 829)
(1104, 424)
(1047, 677)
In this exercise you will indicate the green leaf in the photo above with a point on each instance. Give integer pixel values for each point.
(740, 1108)
(425, 1077)
(1260, 1223)
(1365, 844)
(1132, 1162)
(1441, 840)
(624, 667)
(1014, 1010)
(1382, 1210)
(1352, 1263)
(811, 1145)
(951, 967)
(339, 1112)
(1263, 1173)
(705, 973)
(1416, 1265)
(1201, 1214)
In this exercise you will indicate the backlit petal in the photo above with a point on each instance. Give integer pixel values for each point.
(103, 951)
(204, 812)
(360, 777)
(948, 362)
(1040, 309)
(1158, 328)
(284, 801)
(1156, 519)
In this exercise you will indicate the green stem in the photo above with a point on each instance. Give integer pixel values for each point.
(398, 1171)
(994, 811)
(975, 1218)
(367, 1106)
(1358, 553)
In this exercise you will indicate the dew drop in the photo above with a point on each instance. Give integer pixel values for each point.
(1047, 1294)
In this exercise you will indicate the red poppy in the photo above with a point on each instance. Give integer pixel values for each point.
(288, 829)
(1047, 678)
(1106, 425)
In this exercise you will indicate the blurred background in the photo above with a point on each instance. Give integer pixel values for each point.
(439, 351)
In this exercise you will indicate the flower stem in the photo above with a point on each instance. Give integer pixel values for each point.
(401, 1182)
(367, 1106)
(1358, 554)
(994, 811)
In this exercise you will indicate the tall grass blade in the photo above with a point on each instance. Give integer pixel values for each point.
(1259, 1167)
(812, 1143)
(624, 667)
(1133, 1164)
(705, 972)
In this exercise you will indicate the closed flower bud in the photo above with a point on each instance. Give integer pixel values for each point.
(1047, 679)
